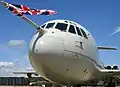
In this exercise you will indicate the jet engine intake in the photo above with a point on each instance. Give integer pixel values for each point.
(115, 67)
(108, 67)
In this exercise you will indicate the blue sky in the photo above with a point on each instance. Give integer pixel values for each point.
(100, 17)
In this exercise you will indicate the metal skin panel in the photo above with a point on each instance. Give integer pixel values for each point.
(59, 57)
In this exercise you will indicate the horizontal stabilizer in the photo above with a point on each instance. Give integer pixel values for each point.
(106, 48)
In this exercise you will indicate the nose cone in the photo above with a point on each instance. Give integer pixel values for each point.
(45, 53)
(48, 46)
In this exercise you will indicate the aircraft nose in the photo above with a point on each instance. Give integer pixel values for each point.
(46, 55)
(46, 52)
(48, 46)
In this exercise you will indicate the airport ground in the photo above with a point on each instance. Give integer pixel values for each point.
(41, 86)
(29, 82)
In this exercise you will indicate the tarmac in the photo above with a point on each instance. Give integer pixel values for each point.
(20, 86)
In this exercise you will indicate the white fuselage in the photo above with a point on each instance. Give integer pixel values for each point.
(64, 57)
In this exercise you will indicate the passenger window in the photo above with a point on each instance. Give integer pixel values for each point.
(79, 32)
(50, 25)
(43, 26)
(84, 34)
(72, 29)
(61, 26)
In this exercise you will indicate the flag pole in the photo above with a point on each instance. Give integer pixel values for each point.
(26, 10)
(40, 29)
(23, 17)
(30, 22)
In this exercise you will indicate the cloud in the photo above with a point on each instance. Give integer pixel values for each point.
(16, 43)
(7, 69)
(116, 31)
(29, 69)
(6, 64)
(18, 57)
(26, 56)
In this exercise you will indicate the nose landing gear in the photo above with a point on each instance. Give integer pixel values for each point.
(77, 85)
(111, 82)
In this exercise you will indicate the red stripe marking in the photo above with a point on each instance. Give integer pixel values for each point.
(25, 8)
(15, 11)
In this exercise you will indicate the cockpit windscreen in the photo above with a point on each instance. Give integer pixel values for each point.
(50, 25)
(61, 26)
(43, 26)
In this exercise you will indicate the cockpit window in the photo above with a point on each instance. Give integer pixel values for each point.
(72, 29)
(43, 26)
(79, 32)
(50, 25)
(61, 26)
(84, 34)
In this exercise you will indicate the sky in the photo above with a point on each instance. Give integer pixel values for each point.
(100, 17)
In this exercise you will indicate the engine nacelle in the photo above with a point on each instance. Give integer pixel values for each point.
(108, 67)
(112, 67)
(115, 67)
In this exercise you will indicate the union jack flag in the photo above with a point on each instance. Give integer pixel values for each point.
(20, 10)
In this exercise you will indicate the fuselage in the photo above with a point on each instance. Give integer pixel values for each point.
(63, 55)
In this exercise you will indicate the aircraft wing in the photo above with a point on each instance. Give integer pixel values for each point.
(115, 74)
(111, 72)
(106, 48)
(27, 73)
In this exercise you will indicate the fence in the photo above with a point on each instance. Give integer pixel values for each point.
(22, 81)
